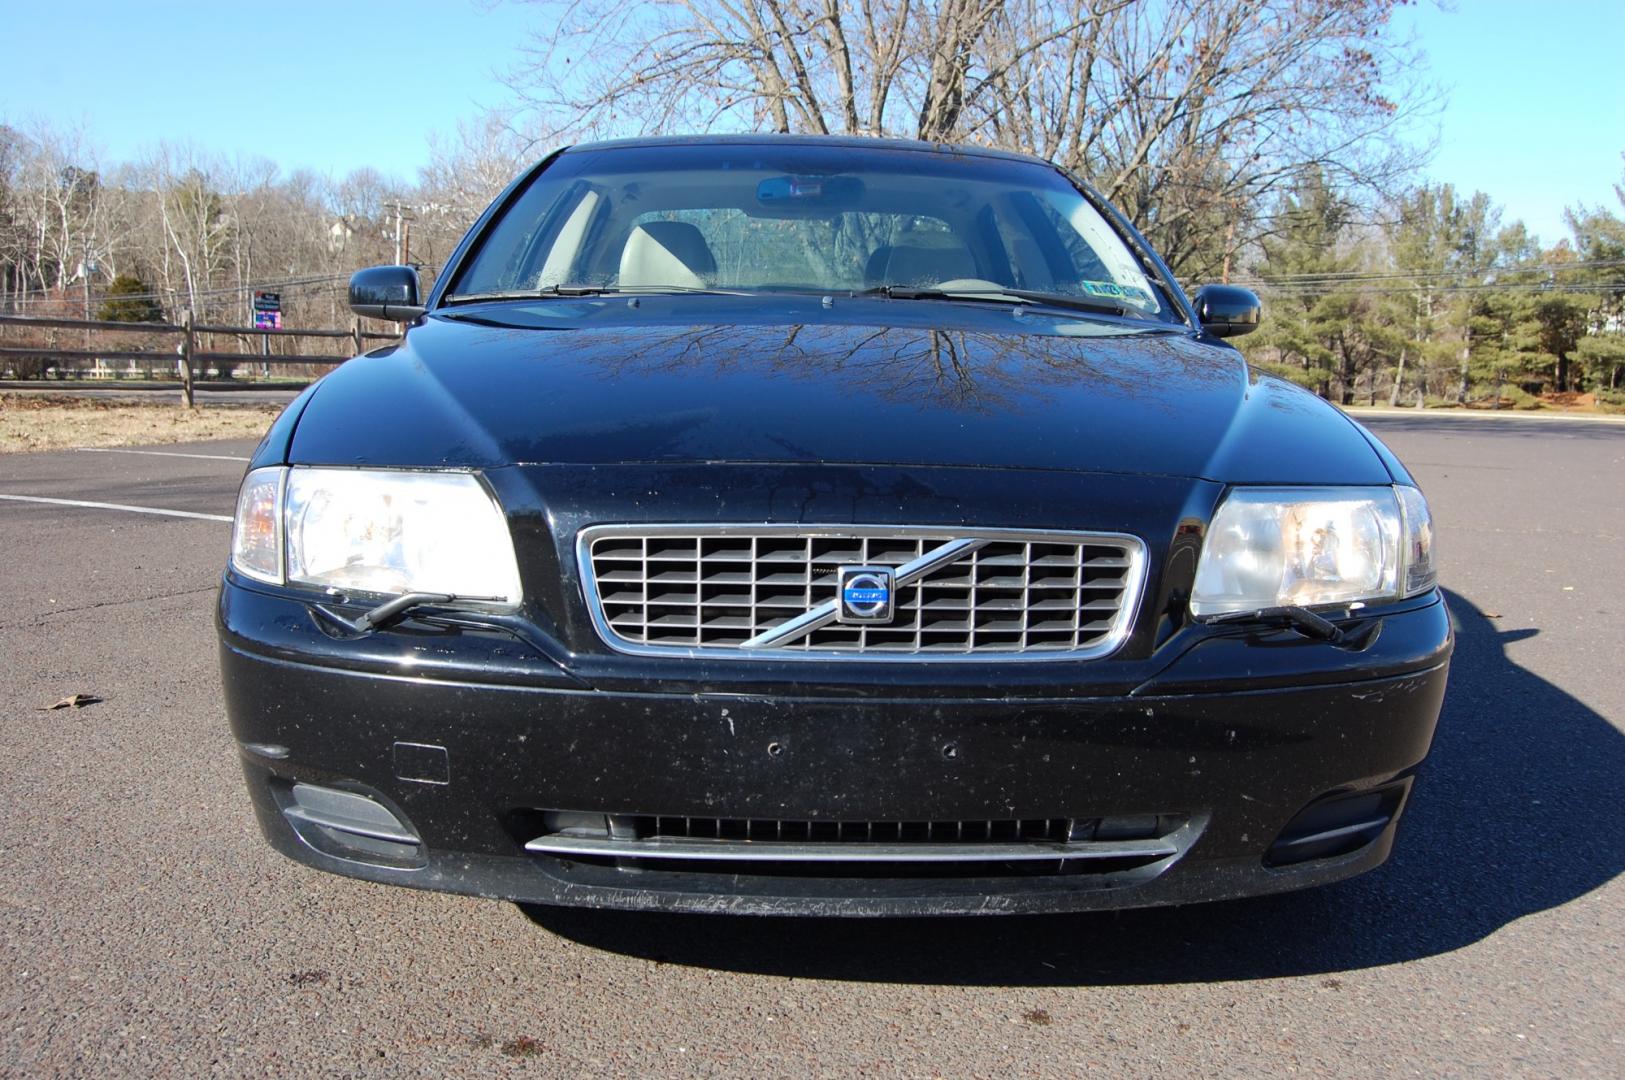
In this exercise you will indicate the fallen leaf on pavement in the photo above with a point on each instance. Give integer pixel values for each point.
(74, 701)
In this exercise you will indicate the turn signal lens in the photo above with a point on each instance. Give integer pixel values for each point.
(256, 534)
(1420, 575)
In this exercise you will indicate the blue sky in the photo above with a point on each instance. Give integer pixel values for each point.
(1536, 102)
(1536, 113)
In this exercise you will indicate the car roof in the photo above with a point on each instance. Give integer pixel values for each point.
(851, 142)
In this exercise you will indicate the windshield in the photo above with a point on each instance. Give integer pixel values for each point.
(758, 217)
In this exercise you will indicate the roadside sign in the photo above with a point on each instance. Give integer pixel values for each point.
(267, 310)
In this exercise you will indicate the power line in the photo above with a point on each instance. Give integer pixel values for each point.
(327, 281)
(1424, 275)
(1446, 290)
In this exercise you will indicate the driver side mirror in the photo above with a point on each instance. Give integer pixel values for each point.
(386, 292)
(1227, 310)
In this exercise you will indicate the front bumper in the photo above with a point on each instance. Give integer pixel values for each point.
(469, 763)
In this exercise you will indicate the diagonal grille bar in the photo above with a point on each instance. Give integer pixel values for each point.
(824, 614)
(770, 590)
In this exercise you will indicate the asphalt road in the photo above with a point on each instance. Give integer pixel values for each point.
(146, 929)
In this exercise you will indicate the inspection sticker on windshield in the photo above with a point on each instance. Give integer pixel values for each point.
(1131, 293)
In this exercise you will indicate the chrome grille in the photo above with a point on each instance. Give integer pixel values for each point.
(755, 590)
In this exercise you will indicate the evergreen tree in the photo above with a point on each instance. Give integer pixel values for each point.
(128, 299)
(1445, 246)
(1599, 237)
(1314, 334)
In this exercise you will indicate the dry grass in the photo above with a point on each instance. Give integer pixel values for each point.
(47, 422)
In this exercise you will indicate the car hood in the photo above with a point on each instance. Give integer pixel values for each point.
(1012, 392)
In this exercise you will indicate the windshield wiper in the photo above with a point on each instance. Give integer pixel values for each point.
(392, 610)
(1305, 622)
(1002, 295)
(528, 294)
(588, 290)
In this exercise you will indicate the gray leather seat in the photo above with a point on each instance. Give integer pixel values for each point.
(667, 253)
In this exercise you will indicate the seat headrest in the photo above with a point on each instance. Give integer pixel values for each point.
(1034, 270)
(874, 271)
(910, 265)
(667, 253)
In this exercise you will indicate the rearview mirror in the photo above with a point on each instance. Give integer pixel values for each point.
(1227, 310)
(386, 292)
(805, 196)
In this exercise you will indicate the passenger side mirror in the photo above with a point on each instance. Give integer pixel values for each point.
(386, 292)
(1227, 310)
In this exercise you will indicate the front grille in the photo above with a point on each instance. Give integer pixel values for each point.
(750, 590)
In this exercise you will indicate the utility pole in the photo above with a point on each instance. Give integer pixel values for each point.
(187, 347)
(87, 266)
(403, 232)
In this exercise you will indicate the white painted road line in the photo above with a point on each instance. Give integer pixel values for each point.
(157, 453)
(117, 506)
(1358, 411)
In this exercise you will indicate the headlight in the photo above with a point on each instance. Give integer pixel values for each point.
(376, 531)
(1309, 547)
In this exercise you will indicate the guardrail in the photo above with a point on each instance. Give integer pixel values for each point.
(188, 353)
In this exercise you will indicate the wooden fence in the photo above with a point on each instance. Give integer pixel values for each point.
(188, 354)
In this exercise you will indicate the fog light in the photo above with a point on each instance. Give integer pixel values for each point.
(349, 825)
(1337, 824)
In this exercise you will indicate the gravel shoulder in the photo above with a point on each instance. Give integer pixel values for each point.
(34, 422)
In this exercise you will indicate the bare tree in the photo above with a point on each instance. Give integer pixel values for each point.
(56, 196)
(192, 218)
(831, 66)
(465, 172)
(1186, 113)
(1190, 114)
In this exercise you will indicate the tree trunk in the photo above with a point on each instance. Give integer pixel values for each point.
(1399, 379)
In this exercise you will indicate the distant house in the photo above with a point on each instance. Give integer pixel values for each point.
(339, 234)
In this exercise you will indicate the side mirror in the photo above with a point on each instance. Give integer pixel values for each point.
(1226, 310)
(386, 292)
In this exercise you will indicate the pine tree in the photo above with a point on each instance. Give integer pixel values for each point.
(1599, 237)
(1314, 332)
(1446, 248)
(128, 299)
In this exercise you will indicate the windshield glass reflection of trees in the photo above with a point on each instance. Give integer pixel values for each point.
(848, 223)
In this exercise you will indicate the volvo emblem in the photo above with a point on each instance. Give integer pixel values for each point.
(866, 594)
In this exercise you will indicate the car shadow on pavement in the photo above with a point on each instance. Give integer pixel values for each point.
(1515, 812)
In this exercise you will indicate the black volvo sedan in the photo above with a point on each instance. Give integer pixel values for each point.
(824, 526)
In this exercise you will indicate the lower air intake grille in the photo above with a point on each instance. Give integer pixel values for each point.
(755, 590)
(1138, 839)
